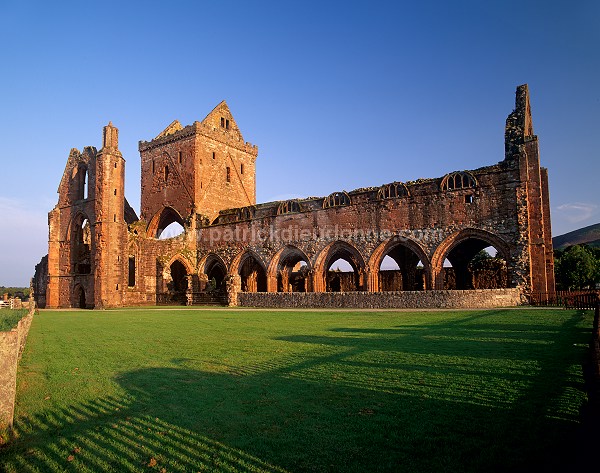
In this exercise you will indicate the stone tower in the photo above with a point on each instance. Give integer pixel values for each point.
(196, 170)
(110, 229)
(87, 229)
(533, 201)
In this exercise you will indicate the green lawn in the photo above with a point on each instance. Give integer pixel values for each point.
(9, 318)
(221, 390)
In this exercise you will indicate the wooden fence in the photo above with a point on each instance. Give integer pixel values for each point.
(585, 299)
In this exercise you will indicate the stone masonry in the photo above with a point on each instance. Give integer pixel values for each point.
(202, 177)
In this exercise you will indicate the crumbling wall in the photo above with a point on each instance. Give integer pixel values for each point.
(203, 176)
(475, 299)
(12, 344)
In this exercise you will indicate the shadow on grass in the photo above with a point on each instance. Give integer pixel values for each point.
(358, 400)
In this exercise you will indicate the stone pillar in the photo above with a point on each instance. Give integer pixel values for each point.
(318, 281)
(233, 284)
(372, 281)
(189, 292)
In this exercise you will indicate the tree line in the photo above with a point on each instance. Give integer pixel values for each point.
(577, 267)
(14, 291)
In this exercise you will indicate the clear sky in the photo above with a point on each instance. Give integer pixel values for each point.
(337, 95)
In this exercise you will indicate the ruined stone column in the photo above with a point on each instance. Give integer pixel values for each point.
(372, 280)
(233, 284)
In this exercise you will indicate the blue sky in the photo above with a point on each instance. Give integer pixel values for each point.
(337, 95)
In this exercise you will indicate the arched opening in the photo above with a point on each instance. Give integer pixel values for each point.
(343, 267)
(79, 297)
(167, 224)
(292, 271)
(474, 264)
(171, 231)
(401, 269)
(252, 274)
(215, 271)
(179, 283)
(80, 177)
(81, 240)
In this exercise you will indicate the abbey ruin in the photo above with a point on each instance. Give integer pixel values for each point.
(202, 176)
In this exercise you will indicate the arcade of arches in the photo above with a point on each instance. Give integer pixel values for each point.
(460, 262)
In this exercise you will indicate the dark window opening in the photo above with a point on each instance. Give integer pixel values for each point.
(228, 174)
(114, 217)
(227, 124)
(222, 122)
(115, 165)
(115, 192)
(180, 157)
(469, 199)
(153, 167)
(117, 287)
(214, 155)
(131, 279)
(241, 169)
(166, 173)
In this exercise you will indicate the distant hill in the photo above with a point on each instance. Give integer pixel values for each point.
(588, 235)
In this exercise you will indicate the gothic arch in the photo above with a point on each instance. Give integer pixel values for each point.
(183, 260)
(79, 299)
(162, 220)
(280, 272)
(337, 199)
(328, 255)
(213, 266)
(477, 240)
(252, 271)
(458, 180)
(388, 246)
(393, 190)
(79, 238)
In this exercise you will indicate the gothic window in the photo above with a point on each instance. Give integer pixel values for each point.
(392, 191)
(337, 199)
(458, 180)
(131, 279)
(246, 213)
(166, 173)
(289, 206)
(228, 174)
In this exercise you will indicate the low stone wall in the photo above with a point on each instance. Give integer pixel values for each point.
(12, 345)
(473, 299)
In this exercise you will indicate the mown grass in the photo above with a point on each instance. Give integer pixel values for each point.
(9, 318)
(200, 390)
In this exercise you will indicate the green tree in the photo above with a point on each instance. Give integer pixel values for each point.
(577, 268)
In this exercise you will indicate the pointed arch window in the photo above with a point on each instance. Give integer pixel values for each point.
(458, 180)
(287, 207)
(392, 191)
(336, 199)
